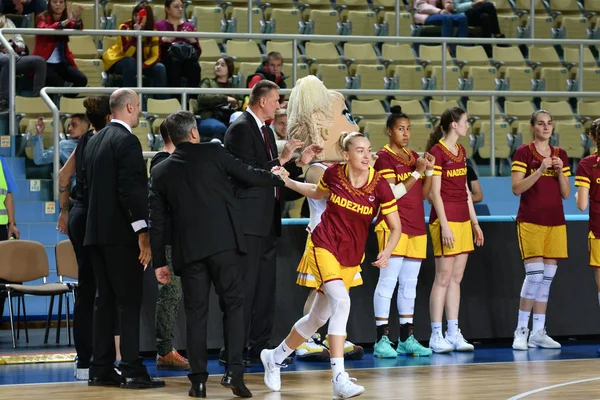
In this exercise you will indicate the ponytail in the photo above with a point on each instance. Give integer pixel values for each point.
(434, 137)
(346, 139)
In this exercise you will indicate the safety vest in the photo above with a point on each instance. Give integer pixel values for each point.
(3, 193)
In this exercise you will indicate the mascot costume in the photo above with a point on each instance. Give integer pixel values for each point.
(319, 116)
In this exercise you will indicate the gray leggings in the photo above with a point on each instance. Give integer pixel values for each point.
(24, 65)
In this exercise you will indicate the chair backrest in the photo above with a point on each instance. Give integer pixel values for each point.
(66, 262)
(23, 261)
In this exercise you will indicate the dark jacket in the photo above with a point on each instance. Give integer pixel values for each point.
(263, 72)
(208, 102)
(192, 187)
(116, 185)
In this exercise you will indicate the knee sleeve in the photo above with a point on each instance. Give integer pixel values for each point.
(407, 293)
(383, 297)
(544, 288)
(534, 275)
(339, 303)
(317, 316)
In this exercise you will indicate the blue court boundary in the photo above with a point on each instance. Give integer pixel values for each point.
(482, 218)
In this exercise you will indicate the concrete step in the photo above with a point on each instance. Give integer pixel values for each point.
(17, 167)
(33, 190)
(36, 211)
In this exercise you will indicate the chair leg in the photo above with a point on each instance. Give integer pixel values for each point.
(25, 320)
(48, 320)
(18, 317)
(68, 319)
(12, 325)
(59, 312)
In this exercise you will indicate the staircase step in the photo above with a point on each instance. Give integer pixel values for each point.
(36, 211)
(43, 232)
(17, 167)
(33, 190)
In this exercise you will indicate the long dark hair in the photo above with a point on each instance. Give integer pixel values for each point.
(396, 114)
(49, 12)
(452, 114)
(96, 110)
(595, 134)
(149, 26)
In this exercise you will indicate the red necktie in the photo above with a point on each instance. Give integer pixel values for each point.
(268, 147)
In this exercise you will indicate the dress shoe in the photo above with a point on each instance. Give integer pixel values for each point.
(141, 382)
(198, 390)
(236, 383)
(110, 379)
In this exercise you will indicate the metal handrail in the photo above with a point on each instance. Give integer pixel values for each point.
(493, 95)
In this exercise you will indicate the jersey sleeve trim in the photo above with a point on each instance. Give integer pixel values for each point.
(390, 209)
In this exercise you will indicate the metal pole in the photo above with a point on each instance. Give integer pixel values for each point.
(294, 62)
(397, 17)
(184, 101)
(96, 17)
(580, 69)
(55, 124)
(139, 52)
(532, 18)
(493, 135)
(249, 16)
(12, 86)
(444, 53)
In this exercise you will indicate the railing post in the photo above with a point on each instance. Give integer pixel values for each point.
(96, 17)
(492, 135)
(532, 19)
(580, 69)
(444, 53)
(294, 61)
(139, 53)
(397, 18)
(184, 101)
(12, 85)
(55, 140)
(249, 16)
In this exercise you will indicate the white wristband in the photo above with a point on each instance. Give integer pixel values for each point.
(416, 175)
(428, 172)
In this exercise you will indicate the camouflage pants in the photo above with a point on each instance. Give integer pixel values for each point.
(167, 307)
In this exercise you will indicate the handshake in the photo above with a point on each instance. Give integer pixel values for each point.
(282, 173)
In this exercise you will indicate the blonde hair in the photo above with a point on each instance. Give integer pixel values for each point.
(346, 139)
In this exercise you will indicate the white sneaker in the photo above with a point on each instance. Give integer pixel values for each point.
(541, 339)
(520, 341)
(459, 343)
(344, 387)
(438, 344)
(272, 370)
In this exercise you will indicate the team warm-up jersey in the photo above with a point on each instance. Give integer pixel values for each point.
(345, 223)
(453, 170)
(589, 177)
(542, 203)
(410, 206)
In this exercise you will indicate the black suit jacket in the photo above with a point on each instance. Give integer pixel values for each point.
(192, 188)
(260, 209)
(116, 184)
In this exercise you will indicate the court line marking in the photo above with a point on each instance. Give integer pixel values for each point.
(525, 394)
(327, 369)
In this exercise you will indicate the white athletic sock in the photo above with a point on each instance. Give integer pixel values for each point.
(337, 366)
(436, 328)
(406, 321)
(281, 353)
(379, 323)
(539, 322)
(452, 327)
(523, 319)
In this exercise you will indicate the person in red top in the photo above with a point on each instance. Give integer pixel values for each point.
(356, 193)
(587, 180)
(403, 169)
(271, 70)
(540, 176)
(452, 224)
(60, 63)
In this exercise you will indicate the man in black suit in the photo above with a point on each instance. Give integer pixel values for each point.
(117, 236)
(252, 141)
(191, 197)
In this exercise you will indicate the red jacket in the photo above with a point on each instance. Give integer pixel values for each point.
(44, 45)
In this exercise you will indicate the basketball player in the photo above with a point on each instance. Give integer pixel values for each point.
(452, 225)
(540, 176)
(356, 193)
(410, 179)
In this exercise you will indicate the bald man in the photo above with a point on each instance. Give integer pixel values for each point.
(117, 237)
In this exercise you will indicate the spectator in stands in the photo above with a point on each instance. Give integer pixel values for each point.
(78, 126)
(270, 70)
(121, 57)
(179, 55)
(60, 62)
(24, 63)
(22, 7)
(279, 126)
(481, 13)
(216, 109)
(441, 12)
(474, 186)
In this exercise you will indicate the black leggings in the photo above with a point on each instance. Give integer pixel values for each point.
(486, 17)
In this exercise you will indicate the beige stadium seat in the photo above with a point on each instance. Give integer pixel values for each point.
(406, 20)
(88, 15)
(419, 135)
(454, 79)
(362, 23)
(519, 110)
(68, 107)
(287, 20)
(555, 80)
(239, 20)
(83, 47)
(142, 131)
(370, 77)
(377, 133)
(543, 21)
(413, 109)
(502, 138)
(560, 110)
(544, 55)
(573, 28)
(334, 76)
(207, 69)
(587, 111)
(244, 71)
(430, 56)
(386, 4)
(518, 79)
(323, 22)
(320, 53)
(302, 70)
(121, 13)
(158, 110)
(285, 48)
(159, 12)
(30, 108)
(566, 126)
(398, 54)
(472, 56)
(571, 57)
(109, 41)
(208, 19)
(408, 78)
(210, 50)
(243, 51)
(509, 57)
(479, 110)
(362, 53)
(368, 110)
(94, 70)
(507, 18)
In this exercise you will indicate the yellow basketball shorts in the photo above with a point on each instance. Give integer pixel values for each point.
(594, 248)
(542, 241)
(463, 238)
(319, 266)
(409, 246)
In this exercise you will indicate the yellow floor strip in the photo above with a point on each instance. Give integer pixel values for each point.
(37, 358)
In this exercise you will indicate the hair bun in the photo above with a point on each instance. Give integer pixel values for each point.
(396, 109)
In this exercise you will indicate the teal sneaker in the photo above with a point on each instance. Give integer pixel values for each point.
(412, 347)
(384, 349)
